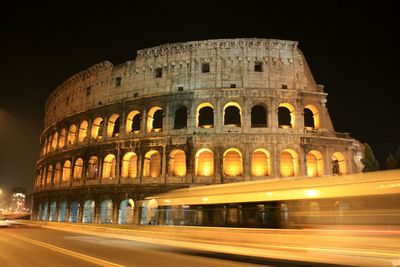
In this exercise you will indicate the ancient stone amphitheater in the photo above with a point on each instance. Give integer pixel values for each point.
(179, 115)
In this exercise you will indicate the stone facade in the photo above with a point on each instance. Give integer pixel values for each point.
(230, 77)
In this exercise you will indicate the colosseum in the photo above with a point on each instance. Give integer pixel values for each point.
(181, 115)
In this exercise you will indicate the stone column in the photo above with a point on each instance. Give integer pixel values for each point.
(164, 164)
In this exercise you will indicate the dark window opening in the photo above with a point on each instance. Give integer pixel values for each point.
(206, 117)
(284, 86)
(117, 125)
(136, 123)
(308, 118)
(258, 67)
(205, 67)
(284, 117)
(158, 119)
(67, 101)
(232, 116)
(158, 72)
(88, 91)
(180, 118)
(180, 89)
(233, 85)
(118, 81)
(99, 103)
(335, 167)
(135, 94)
(258, 116)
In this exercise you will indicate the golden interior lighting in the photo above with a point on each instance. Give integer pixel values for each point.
(314, 164)
(129, 168)
(82, 134)
(129, 120)
(260, 163)
(57, 173)
(177, 163)
(292, 114)
(315, 113)
(97, 130)
(78, 169)
(152, 164)
(150, 118)
(204, 163)
(92, 169)
(66, 173)
(109, 167)
(233, 162)
(63, 133)
(71, 134)
(49, 174)
(111, 124)
(288, 163)
(341, 160)
(55, 141)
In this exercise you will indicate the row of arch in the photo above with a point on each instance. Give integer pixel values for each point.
(232, 116)
(232, 165)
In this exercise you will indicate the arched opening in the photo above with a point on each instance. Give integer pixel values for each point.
(39, 212)
(44, 174)
(66, 173)
(233, 165)
(258, 116)
(126, 209)
(177, 163)
(92, 171)
(82, 135)
(133, 122)
(57, 174)
(55, 141)
(109, 167)
(129, 165)
(149, 209)
(286, 115)
(205, 115)
(314, 164)
(61, 143)
(152, 164)
(204, 162)
(311, 117)
(49, 144)
(97, 128)
(260, 163)
(72, 134)
(53, 208)
(232, 114)
(74, 211)
(62, 211)
(339, 166)
(113, 126)
(180, 119)
(106, 211)
(288, 163)
(44, 146)
(78, 169)
(45, 208)
(155, 120)
(49, 174)
(88, 211)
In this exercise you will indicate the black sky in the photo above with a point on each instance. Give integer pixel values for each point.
(352, 49)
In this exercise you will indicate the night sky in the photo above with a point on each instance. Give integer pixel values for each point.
(352, 50)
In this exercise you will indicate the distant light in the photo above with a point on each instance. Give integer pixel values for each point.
(312, 193)
(205, 198)
(167, 201)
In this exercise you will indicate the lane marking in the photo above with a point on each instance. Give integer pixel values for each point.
(68, 252)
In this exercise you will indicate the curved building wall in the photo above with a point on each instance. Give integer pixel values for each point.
(202, 112)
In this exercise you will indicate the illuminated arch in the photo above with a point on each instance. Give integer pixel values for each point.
(314, 164)
(71, 134)
(126, 211)
(106, 211)
(177, 163)
(152, 164)
(57, 174)
(82, 134)
(109, 167)
(63, 134)
(49, 174)
(92, 168)
(232, 163)
(339, 165)
(44, 146)
(258, 116)
(55, 141)
(288, 163)
(260, 162)
(286, 112)
(97, 128)
(78, 169)
(315, 116)
(129, 165)
(155, 119)
(204, 162)
(232, 114)
(205, 115)
(133, 122)
(66, 173)
(49, 144)
(88, 211)
(113, 125)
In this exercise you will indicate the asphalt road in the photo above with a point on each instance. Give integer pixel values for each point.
(31, 246)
